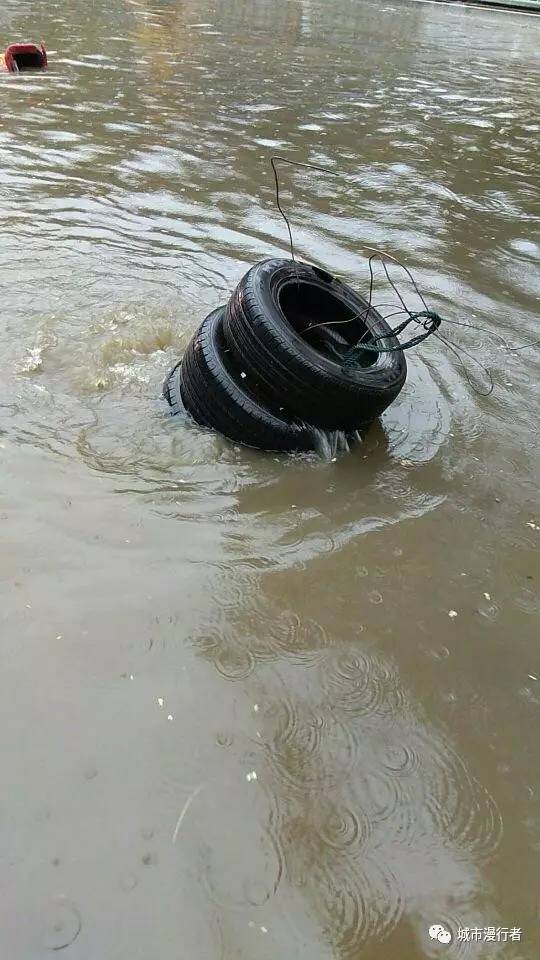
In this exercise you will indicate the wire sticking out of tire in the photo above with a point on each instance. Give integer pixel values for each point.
(270, 366)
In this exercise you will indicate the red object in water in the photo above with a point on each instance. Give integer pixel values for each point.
(24, 56)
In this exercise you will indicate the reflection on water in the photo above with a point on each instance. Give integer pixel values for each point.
(333, 657)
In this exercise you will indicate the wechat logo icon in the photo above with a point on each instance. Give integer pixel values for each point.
(440, 933)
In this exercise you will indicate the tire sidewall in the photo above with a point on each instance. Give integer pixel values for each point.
(254, 425)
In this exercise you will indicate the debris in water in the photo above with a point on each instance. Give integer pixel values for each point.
(160, 701)
(19, 57)
(185, 809)
(251, 776)
(452, 614)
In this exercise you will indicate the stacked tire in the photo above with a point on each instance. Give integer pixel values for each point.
(270, 366)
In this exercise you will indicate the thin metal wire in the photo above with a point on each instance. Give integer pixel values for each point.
(294, 163)
(458, 352)
(388, 256)
(415, 317)
(523, 346)
(358, 316)
(420, 317)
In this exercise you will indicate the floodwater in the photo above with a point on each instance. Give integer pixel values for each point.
(258, 707)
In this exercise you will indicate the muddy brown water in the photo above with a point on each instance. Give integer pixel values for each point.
(256, 706)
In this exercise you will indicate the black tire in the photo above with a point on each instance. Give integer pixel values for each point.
(266, 324)
(208, 385)
(166, 390)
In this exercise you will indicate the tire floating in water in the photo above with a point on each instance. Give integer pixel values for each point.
(208, 384)
(270, 322)
(269, 367)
